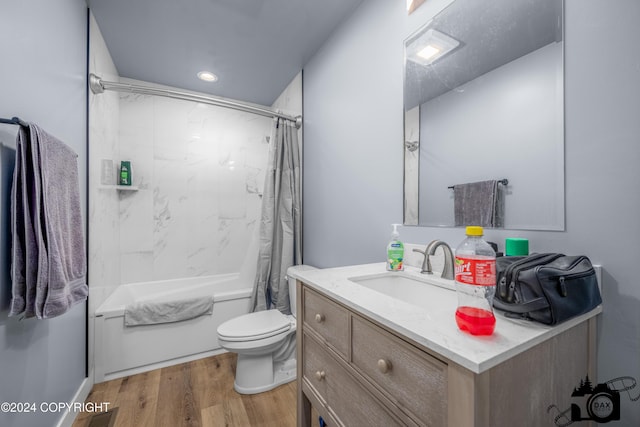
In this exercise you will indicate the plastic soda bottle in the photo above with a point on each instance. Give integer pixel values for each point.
(475, 267)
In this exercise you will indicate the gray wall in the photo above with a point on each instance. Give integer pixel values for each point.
(353, 156)
(474, 116)
(42, 79)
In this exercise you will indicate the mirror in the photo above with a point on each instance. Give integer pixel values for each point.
(484, 100)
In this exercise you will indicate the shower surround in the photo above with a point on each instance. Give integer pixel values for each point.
(199, 170)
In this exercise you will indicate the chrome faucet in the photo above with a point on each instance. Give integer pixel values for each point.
(448, 271)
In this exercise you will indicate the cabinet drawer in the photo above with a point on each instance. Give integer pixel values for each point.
(315, 366)
(327, 319)
(352, 404)
(413, 379)
(339, 392)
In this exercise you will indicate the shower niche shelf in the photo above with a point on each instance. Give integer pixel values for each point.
(119, 187)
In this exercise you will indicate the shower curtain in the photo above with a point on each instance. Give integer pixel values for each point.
(280, 225)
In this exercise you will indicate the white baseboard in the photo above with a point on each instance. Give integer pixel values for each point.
(68, 417)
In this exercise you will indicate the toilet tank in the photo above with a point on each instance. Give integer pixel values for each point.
(292, 284)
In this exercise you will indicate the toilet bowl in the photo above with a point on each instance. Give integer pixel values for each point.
(266, 345)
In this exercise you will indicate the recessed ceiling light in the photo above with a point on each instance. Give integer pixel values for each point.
(428, 52)
(207, 76)
(430, 46)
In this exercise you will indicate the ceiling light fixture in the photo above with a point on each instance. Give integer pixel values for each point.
(430, 46)
(428, 52)
(207, 76)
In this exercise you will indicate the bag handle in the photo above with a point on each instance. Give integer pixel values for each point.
(522, 308)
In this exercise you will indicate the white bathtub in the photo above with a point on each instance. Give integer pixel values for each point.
(122, 351)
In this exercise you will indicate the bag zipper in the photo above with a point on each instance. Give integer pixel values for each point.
(517, 267)
(562, 278)
(506, 277)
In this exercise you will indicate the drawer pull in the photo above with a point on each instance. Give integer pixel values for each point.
(319, 375)
(319, 318)
(384, 366)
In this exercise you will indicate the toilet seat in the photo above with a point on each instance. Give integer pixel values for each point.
(254, 326)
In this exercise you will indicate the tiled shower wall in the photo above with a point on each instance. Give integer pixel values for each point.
(200, 171)
(104, 216)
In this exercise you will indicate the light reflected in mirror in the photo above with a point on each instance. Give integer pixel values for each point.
(484, 100)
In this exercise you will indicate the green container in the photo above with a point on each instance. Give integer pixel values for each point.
(125, 173)
(516, 246)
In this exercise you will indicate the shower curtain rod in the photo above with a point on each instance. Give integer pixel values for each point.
(98, 85)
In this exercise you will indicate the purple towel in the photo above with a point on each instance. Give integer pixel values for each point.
(49, 259)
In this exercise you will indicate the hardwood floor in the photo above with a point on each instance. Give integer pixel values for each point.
(194, 394)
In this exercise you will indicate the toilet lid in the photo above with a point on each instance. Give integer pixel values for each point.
(254, 326)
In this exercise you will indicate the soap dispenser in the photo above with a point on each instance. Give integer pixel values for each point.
(395, 251)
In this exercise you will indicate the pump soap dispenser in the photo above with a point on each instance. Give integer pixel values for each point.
(395, 251)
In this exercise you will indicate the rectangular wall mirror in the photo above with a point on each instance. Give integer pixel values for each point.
(484, 100)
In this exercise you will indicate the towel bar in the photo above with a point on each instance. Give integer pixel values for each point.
(503, 181)
(14, 121)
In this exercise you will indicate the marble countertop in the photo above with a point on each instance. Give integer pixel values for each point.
(430, 324)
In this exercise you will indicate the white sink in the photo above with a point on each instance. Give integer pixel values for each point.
(428, 291)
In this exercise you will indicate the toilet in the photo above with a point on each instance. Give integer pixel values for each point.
(266, 345)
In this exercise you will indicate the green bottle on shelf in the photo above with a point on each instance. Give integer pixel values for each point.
(125, 173)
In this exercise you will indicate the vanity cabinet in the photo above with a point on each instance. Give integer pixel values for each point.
(357, 372)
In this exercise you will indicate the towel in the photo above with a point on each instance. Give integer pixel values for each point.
(153, 312)
(478, 203)
(48, 267)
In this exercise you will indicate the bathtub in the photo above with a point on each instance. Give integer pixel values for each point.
(122, 351)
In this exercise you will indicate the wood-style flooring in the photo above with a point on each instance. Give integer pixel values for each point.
(194, 394)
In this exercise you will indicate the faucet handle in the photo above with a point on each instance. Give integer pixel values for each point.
(426, 263)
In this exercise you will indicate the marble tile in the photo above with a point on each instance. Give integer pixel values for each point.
(232, 194)
(170, 219)
(136, 221)
(136, 267)
(233, 238)
(137, 117)
(201, 254)
(104, 239)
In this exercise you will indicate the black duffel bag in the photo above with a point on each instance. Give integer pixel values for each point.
(548, 288)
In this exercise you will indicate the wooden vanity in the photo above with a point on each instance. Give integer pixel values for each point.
(355, 370)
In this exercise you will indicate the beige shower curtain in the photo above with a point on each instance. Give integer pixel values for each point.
(280, 225)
